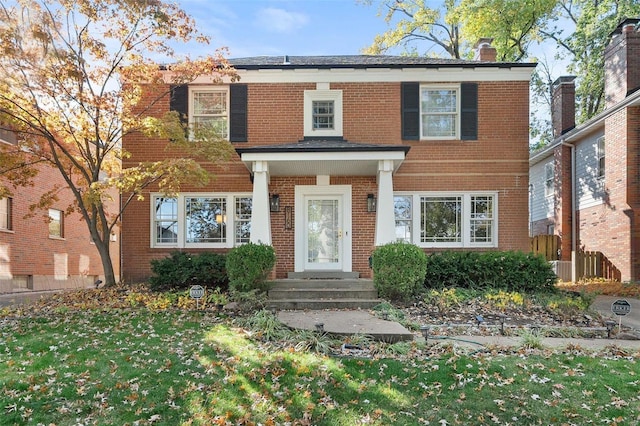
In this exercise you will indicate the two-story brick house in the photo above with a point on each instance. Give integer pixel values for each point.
(46, 249)
(585, 186)
(338, 154)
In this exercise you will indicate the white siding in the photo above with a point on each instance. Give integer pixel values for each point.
(541, 207)
(589, 187)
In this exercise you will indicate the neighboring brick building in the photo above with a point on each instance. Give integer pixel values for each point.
(37, 253)
(338, 154)
(590, 204)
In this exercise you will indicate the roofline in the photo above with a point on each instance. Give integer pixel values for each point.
(388, 66)
(585, 128)
(351, 148)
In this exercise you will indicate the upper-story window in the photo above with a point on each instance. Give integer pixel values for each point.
(209, 111)
(548, 179)
(5, 214)
(600, 157)
(439, 112)
(323, 113)
(56, 223)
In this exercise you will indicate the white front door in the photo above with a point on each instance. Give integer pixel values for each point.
(323, 228)
(324, 232)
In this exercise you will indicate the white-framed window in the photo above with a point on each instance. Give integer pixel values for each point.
(56, 223)
(439, 112)
(600, 156)
(209, 111)
(201, 220)
(447, 220)
(402, 205)
(5, 214)
(548, 179)
(323, 113)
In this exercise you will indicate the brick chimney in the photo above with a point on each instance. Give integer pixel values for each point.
(563, 108)
(484, 51)
(622, 62)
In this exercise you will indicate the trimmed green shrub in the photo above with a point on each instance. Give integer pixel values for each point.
(249, 265)
(181, 270)
(398, 270)
(507, 270)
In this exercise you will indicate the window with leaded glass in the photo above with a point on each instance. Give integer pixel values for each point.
(441, 219)
(243, 219)
(481, 220)
(403, 208)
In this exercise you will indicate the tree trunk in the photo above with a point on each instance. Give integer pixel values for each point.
(107, 264)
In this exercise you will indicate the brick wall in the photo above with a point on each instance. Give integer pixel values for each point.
(50, 263)
(497, 161)
(612, 227)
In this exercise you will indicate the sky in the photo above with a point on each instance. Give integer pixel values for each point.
(287, 27)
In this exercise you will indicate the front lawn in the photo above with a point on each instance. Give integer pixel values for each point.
(116, 366)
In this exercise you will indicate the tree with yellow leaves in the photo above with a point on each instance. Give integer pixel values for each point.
(73, 74)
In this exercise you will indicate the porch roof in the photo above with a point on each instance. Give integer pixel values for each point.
(323, 156)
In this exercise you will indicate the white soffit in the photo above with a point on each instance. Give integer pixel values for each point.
(324, 163)
(380, 75)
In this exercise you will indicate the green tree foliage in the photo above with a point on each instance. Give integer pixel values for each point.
(580, 29)
(74, 74)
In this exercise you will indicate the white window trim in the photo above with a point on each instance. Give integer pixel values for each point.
(466, 219)
(61, 236)
(6, 213)
(182, 236)
(549, 191)
(600, 172)
(199, 89)
(458, 110)
(323, 95)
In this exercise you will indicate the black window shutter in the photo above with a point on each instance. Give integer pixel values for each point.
(469, 111)
(238, 113)
(410, 100)
(179, 101)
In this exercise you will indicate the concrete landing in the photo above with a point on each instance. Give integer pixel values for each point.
(346, 322)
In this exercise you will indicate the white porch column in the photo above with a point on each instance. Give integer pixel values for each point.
(385, 215)
(260, 212)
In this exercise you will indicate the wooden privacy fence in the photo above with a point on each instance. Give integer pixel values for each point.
(589, 264)
(594, 264)
(546, 245)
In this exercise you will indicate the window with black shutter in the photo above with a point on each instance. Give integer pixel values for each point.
(468, 111)
(410, 111)
(238, 96)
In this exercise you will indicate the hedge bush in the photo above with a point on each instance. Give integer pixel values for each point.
(181, 270)
(508, 270)
(249, 265)
(398, 270)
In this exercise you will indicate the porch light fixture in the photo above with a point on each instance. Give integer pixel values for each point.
(274, 203)
(371, 203)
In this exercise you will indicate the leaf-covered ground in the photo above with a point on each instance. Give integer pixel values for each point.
(105, 357)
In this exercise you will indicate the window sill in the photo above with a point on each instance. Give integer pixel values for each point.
(53, 237)
(8, 231)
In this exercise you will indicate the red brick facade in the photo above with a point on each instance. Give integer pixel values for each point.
(32, 260)
(495, 162)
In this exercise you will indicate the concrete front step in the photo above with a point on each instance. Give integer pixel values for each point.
(346, 284)
(320, 304)
(323, 275)
(322, 293)
(352, 293)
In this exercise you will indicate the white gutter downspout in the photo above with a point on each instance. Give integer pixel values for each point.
(574, 243)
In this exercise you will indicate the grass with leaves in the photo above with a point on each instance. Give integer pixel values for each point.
(111, 364)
